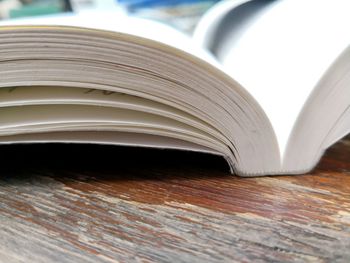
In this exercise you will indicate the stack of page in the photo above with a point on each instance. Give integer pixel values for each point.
(265, 84)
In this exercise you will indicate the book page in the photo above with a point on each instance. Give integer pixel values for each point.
(107, 137)
(121, 23)
(49, 55)
(42, 95)
(282, 54)
(52, 118)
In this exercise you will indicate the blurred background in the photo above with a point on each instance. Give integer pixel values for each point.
(182, 14)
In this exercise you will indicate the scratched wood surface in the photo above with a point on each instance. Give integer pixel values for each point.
(110, 204)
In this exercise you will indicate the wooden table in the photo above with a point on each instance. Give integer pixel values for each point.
(107, 204)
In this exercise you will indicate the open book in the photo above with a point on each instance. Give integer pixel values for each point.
(265, 84)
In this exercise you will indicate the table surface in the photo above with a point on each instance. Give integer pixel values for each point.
(69, 203)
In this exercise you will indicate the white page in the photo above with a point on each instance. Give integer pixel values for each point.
(283, 54)
(209, 26)
(42, 95)
(107, 137)
(121, 23)
(12, 118)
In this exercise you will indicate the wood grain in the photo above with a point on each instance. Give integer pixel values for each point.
(66, 203)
